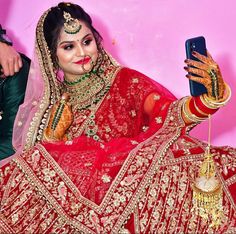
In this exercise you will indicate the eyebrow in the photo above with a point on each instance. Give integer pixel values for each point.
(64, 42)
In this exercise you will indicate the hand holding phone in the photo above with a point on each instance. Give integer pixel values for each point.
(204, 73)
(197, 44)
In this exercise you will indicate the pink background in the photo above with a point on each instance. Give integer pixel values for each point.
(149, 36)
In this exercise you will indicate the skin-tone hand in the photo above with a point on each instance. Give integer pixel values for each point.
(208, 73)
(10, 60)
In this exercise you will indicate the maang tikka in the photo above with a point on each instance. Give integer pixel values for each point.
(71, 25)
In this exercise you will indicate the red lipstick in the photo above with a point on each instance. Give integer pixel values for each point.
(83, 61)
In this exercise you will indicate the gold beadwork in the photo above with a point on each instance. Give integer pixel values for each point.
(207, 192)
(71, 25)
(83, 94)
(87, 95)
(215, 85)
(207, 189)
(51, 87)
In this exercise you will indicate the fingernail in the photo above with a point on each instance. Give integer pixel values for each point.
(194, 52)
(187, 76)
(186, 60)
(186, 68)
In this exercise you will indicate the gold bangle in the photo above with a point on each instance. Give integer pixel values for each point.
(214, 104)
(189, 115)
(205, 103)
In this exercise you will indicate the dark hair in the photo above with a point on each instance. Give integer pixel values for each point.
(54, 21)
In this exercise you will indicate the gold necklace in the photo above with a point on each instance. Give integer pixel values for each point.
(85, 103)
(83, 94)
(80, 78)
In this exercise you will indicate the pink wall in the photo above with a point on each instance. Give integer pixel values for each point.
(149, 36)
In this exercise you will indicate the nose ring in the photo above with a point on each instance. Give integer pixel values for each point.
(90, 63)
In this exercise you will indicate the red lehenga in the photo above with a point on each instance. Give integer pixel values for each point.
(120, 171)
(136, 179)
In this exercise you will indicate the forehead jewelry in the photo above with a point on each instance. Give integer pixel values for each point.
(71, 25)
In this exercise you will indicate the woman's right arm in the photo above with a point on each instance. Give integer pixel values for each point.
(197, 109)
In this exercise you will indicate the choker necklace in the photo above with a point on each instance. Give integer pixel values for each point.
(84, 90)
(80, 79)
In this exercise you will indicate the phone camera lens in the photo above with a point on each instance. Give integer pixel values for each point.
(193, 46)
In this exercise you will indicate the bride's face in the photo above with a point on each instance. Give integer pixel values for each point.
(76, 53)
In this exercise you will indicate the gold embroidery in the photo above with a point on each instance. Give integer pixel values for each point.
(51, 87)
(145, 128)
(158, 120)
(156, 97)
(84, 120)
(133, 113)
(135, 80)
(106, 178)
(149, 183)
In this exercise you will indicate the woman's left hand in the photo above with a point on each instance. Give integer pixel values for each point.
(208, 73)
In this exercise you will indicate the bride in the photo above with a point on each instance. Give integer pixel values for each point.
(102, 148)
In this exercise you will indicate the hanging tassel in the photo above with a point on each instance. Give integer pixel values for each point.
(207, 190)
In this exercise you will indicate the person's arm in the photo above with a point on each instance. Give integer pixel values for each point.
(11, 96)
(10, 60)
(197, 109)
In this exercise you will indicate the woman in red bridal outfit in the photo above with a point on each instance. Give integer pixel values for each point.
(105, 149)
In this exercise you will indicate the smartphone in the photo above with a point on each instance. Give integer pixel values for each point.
(197, 44)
